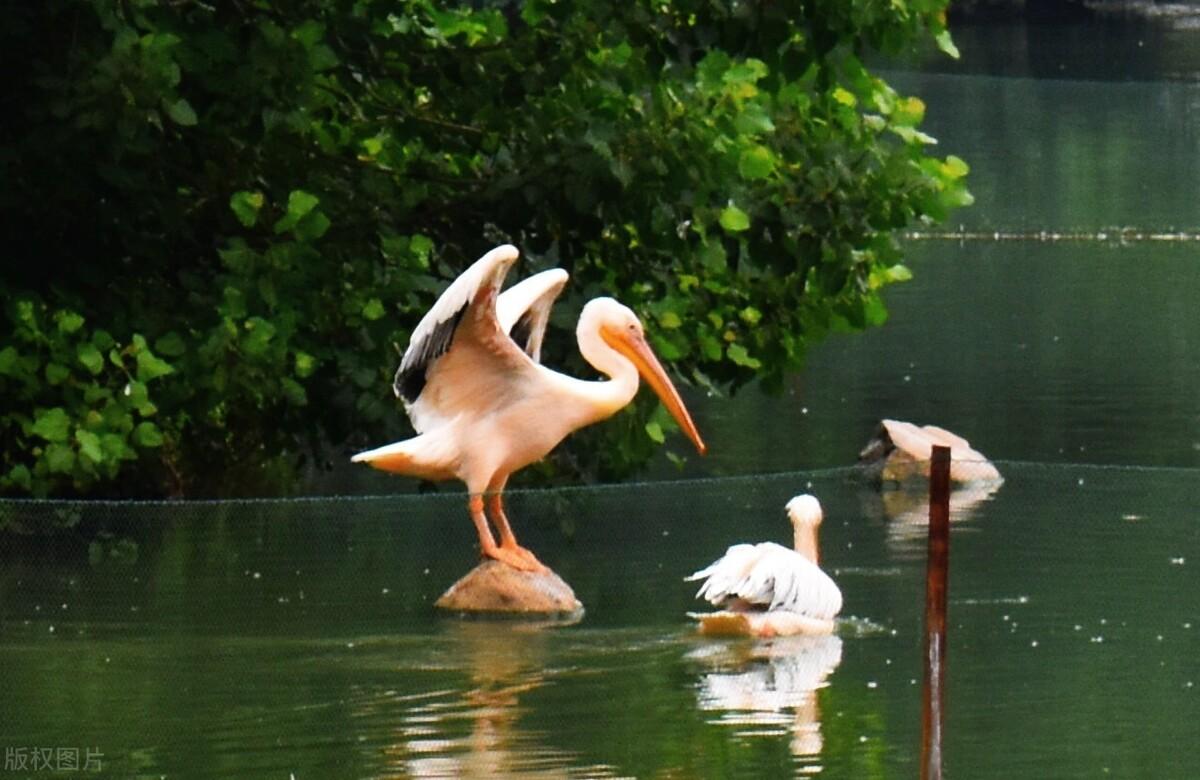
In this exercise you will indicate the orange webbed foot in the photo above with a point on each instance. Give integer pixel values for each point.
(517, 557)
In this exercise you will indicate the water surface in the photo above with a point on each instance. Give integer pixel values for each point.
(279, 638)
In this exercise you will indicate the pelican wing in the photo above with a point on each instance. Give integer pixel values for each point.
(524, 309)
(770, 576)
(910, 439)
(459, 359)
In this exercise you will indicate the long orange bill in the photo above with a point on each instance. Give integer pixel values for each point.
(638, 351)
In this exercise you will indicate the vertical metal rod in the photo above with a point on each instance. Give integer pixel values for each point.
(935, 614)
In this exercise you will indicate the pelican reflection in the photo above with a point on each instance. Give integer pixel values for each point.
(769, 688)
(472, 727)
(905, 510)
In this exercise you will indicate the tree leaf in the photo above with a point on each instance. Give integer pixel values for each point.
(753, 119)
(669, 320)
(52, 424)
(150, 367)
(946, 43)
(259, 333)
(8, 361)
(89, 445)
(147, 434)
(68, 321)
(181, 112)
(170, 344)
(309, 32)
(300, 203)
(757, 162)
(750, 315)
(738, 354)
(293, 391)
(955, 168)
(60, 458)
(373, 309)
(246, 205)
(305, 364)
(845, 97)
(312, 226)
(89, 357)
(19, 476)
(734, 220)
(56, 373)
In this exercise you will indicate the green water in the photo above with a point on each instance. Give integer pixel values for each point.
(280, 639)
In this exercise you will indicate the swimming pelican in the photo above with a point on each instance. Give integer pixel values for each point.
(768, 590)
(482, 405)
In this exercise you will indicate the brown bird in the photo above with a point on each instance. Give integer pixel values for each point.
(484, 406)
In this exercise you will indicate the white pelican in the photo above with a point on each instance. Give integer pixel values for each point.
(901, 451)
(768, 590)
(484, 407)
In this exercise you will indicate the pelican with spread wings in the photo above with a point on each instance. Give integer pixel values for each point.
(482, 404)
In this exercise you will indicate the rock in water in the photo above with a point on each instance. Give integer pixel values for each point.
(498, 589)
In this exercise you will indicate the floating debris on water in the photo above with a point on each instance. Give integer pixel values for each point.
(861, 627)
(990, 602)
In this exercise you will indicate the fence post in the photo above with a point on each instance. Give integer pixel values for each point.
(937, 564)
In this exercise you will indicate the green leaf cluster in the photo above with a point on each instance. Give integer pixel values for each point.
(78, 402)
(225, 218)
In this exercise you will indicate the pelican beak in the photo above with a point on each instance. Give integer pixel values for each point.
(634, 347)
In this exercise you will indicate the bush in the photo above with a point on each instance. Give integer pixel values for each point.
(224, 219)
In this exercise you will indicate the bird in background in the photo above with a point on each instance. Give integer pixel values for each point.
(484, 407)
(768, 590)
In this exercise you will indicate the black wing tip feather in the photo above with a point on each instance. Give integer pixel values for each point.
(410, 377)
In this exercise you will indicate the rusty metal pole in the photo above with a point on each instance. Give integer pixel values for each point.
(935, 614)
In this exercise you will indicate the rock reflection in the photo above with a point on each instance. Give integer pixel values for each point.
(905, 510)
(473, 729)
(769, 688)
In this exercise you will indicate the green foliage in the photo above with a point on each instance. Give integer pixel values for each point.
(272, 195)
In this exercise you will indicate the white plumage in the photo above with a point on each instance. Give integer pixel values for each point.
(526, 306)
(484, 406)
(771, 576)
(768, 590)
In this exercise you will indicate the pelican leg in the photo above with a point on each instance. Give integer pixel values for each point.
(487, 543)
(507, 540)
